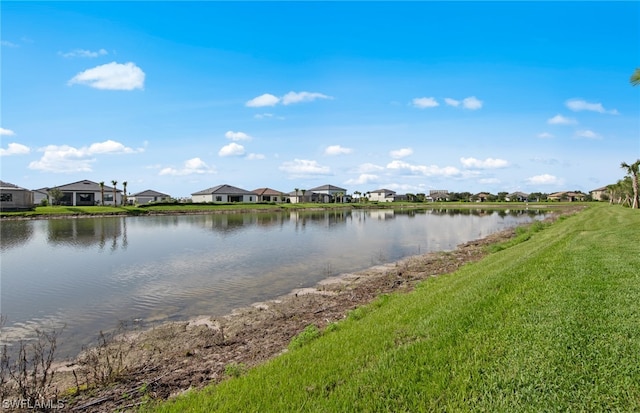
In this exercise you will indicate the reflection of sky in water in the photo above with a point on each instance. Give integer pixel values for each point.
(89, 273)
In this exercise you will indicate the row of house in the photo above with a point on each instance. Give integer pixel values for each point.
(87, 193)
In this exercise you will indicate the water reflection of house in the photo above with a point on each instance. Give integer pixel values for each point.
(382, 215)
(223, 193)
(15, 198)
(87, 232)
(148, 196)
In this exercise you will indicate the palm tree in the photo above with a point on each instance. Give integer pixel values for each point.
(303, 191)
(124, 195)
(633, 170)
(114, 183)
(295, 190)
(101, 183)
(635, 77)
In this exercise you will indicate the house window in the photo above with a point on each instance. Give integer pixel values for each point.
(6, 197)
(218, 198)
(108, 197)
(250, 199)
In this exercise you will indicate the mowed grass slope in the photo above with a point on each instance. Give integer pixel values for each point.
(550, 324)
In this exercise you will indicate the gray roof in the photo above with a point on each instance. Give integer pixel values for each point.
(84, 185)
(382, 191)
(327, 188)
(150, 192)
(223, 190)
(7, 185)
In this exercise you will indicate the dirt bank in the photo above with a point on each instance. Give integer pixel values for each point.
(169, 359)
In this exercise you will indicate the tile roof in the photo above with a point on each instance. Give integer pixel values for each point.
(223, 189)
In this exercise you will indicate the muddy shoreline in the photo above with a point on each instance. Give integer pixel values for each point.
(166, 360)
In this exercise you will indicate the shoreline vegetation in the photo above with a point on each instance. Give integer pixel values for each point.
(53, 212)
(159, 363)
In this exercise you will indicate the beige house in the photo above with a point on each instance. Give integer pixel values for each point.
(568, 196)
(600, 194)
(270, 195)
(381, 195)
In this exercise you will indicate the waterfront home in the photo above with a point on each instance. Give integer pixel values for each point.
(148, 196)
(438, 195)
(567, 196)
(381, 195)
(517, 197)
(83, 193)
(332, 192)
(482, 197)
(15, 198)
(270, 195)
(600, 194)
(306, 195)
(223, 193)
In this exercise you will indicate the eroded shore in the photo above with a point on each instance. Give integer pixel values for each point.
(166, 360)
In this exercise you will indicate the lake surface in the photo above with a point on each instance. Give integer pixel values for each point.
(89, 274)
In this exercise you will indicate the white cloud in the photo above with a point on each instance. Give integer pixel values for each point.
(561, 120)
(471, 103)
(544, 179)
(266, 99)
(304, 167)
(369, 167)
(363, 179)
(589, 134)
(111, 76)
(452, 102)
(232, 149)
(6, 132)
(431, 170)
(237, 136)
(489, 181)
(578, 105)
(337, 150)
(14, 149)
(84, 53)
(545, 135)
(489, 163)
(297, 97)
(194, 166)
(65, 158)
(7, 43)
(423, 103)
(255, 156)
(401, 153)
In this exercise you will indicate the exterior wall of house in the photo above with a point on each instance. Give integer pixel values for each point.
(380, 197)
(15, 199)
(223, 198)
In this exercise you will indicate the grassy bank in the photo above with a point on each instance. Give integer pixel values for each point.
(547, 324)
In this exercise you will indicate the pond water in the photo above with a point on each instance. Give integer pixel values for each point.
(90, 274)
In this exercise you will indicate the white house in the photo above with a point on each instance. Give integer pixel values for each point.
(147, 196)
(223, 193)
(82, 193)
(381, 195)
(15, 198)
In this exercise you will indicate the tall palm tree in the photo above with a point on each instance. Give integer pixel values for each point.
(635, 77)
(296, 192)
(124, 195)
(633, 170)
(114, 183)
(101, 183)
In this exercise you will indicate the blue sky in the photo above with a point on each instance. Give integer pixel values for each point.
(179, 97)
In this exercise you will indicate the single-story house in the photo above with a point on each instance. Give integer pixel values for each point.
(438, 195)
(148, 196)
(517, 197)
(15, 198)
(600, 194)
(381, 195)
(306, 195)
(567, 196)
(223, 193)
(270, 195)
(482, 196)
(82, 193)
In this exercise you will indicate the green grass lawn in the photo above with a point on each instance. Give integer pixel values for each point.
(549, 324)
